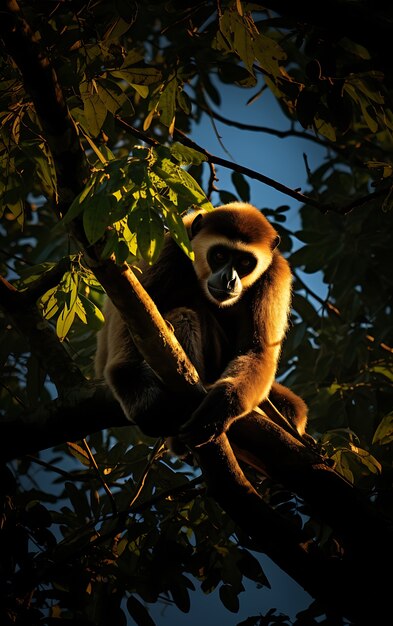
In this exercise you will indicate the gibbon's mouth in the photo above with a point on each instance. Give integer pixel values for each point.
(222, 294)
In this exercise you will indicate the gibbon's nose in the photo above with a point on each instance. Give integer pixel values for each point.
(229, 278)
(231, 283)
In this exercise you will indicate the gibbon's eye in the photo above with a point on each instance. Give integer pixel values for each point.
(218, 256)
(245, 264)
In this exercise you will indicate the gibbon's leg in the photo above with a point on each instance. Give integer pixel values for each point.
(187, 328)
(291, 406)
(131, 380)
(142, 395)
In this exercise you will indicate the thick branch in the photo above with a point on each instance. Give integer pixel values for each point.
(84, 410)
(40, 81)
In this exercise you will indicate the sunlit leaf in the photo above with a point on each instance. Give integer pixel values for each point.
(64, 322)
(79, 453)
(93, 314)
(166, 106)
(179, 232)
(186, 155)
(150, 233)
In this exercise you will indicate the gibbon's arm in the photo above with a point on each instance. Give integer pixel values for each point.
(248, 378)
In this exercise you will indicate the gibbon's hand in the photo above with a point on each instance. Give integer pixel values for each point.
(199, 434)
(214, 415)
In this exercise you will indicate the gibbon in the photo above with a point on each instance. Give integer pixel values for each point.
(229, 310)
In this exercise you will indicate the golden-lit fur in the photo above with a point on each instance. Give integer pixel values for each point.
(234, 343)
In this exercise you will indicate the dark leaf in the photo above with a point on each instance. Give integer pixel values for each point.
(138, 612)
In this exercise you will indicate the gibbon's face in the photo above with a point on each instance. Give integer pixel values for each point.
(225, 268)
(233, 247)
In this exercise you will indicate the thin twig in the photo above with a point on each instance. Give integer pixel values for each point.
(333, 310)
(99, 475)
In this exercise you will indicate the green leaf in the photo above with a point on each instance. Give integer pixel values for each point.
(269, 53)
(77, 205)
(111, 95)
(95, 113)
(387, 372)
(323, 127)
(186, 155)
(183, 184)
(142, 90)
(64, 322)
(166, 106)
(384, 433)
(79, 453)
(241, 185)
(355, 463)
(100, 212)
(17, 210)
(138, 75)
(241, 36)
(184, 102)
(95, 318)
(150, 233)
(368, 88)
(80, 310)
(238, 35)
(177, 229)
(49, 303)
(227, 196)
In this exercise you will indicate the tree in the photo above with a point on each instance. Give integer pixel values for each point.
(97, 106)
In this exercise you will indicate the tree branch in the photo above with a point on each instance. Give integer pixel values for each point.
(85, 409)
(211, 158)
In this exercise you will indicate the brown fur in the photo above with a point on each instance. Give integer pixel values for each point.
(235, 345)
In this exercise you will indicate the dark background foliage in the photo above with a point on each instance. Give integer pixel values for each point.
(98, 530)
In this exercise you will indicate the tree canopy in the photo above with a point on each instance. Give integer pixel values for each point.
(100, 106)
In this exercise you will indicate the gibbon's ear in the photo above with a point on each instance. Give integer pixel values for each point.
(276, 242)
(196, 225)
